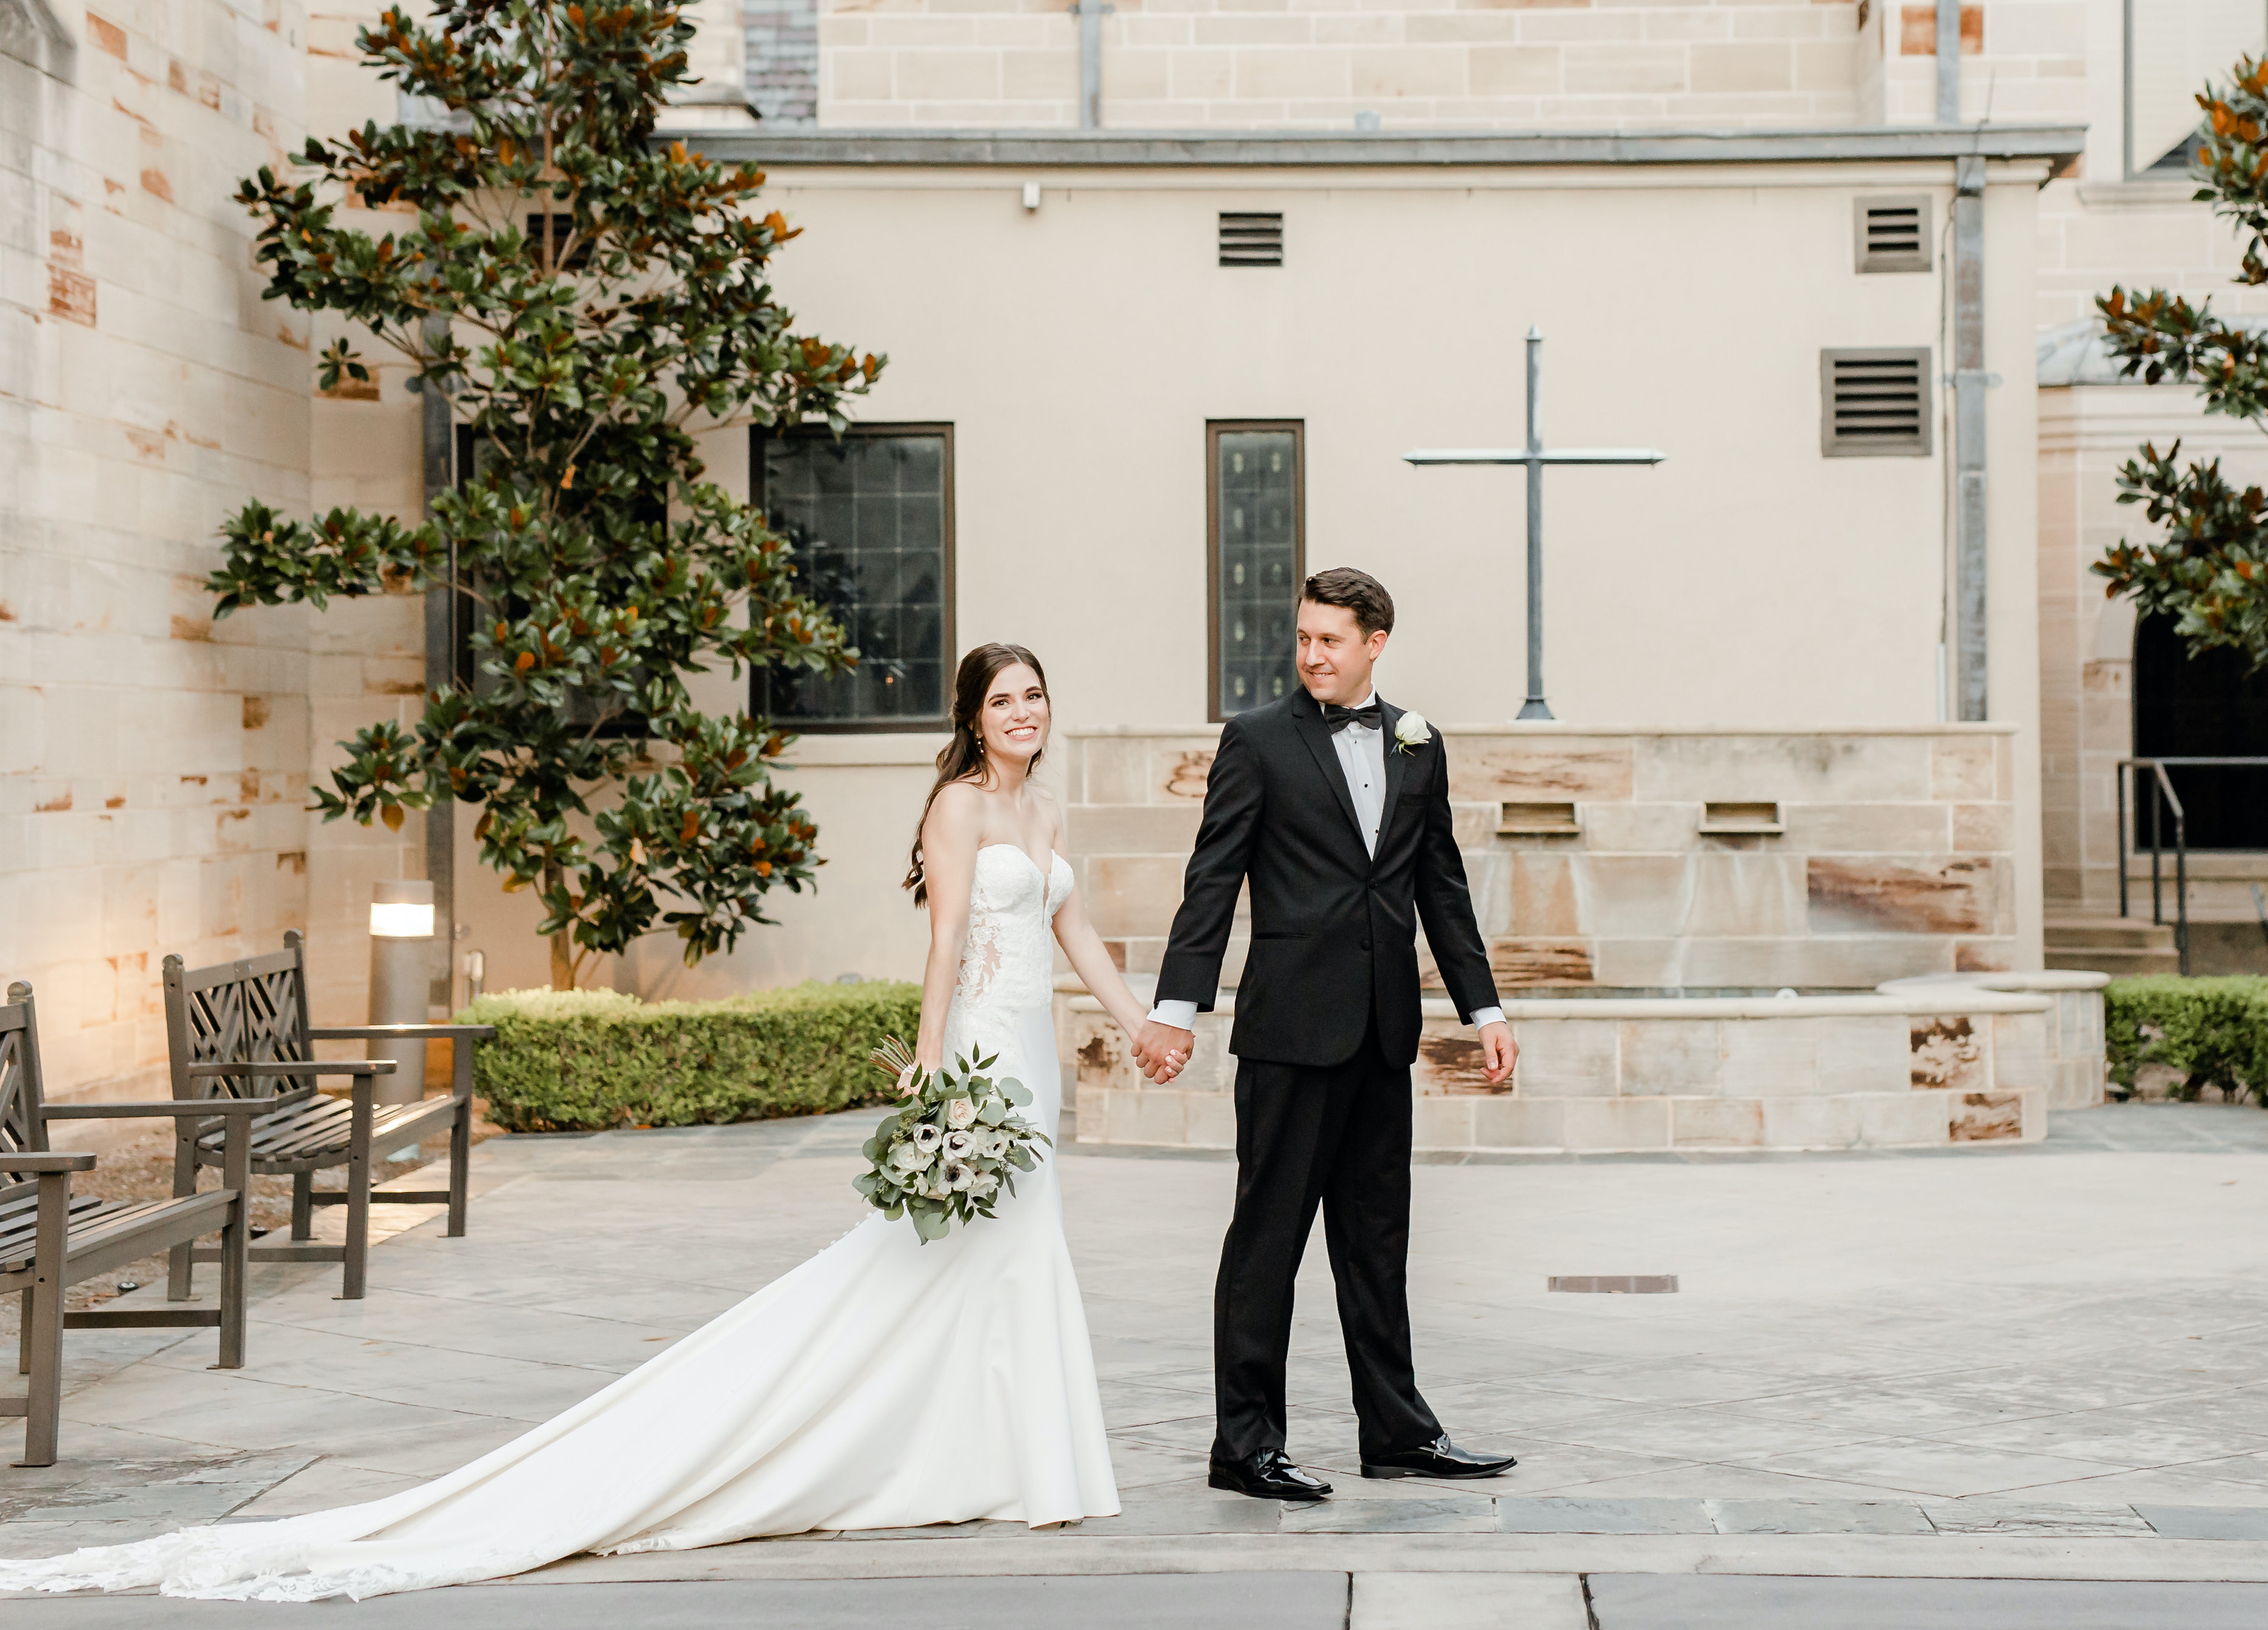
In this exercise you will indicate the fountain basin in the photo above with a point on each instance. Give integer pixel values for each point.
(1938, 1061)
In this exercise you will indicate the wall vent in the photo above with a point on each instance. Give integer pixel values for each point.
(1874, 402)
(1893, 233)
(1251, 240)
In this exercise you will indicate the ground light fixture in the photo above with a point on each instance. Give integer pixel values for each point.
(401, 948)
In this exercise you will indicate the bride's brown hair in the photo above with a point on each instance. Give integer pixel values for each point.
(963, 757)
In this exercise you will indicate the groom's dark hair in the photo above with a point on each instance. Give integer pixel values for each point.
(1354, 591)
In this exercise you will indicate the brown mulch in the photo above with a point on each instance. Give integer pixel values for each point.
(137, 1164)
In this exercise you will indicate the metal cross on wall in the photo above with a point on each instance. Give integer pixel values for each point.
(1535, 456)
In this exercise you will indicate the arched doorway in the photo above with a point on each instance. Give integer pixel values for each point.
(2208, 706)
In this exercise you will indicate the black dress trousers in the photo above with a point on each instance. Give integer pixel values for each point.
(1337, 1136)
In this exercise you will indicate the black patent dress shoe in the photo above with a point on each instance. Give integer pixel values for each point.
(1439, 1458)
(1267, 1474)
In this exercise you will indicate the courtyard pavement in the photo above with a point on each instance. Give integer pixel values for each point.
(1980, 1371)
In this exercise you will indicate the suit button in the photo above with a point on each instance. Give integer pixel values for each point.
(1366, 945)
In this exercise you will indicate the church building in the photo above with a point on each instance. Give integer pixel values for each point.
(1171, 292)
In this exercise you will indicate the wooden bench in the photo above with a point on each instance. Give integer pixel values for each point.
(231, 1025)
(51, 1240)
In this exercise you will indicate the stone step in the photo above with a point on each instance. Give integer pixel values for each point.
(2119, 963)
(2129, 933)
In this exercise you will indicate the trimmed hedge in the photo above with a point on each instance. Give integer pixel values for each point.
(2215, 1031)
(588, 1060)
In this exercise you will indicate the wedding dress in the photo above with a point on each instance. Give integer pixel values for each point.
(883, 1383)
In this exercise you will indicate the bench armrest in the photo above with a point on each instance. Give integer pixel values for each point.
(411, 1032)
(296, 1067)
(47, 1162)
(194, 1109)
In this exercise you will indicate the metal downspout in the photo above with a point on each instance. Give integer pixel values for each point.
(1091, 13)
(1969, 382)
(441, 674)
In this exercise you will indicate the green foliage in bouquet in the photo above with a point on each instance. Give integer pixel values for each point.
(951, 1151)
(590, 1060)
(2214, 1031)
(2209, 572)
(581, 294)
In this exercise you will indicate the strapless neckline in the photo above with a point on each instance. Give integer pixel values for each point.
(1054, 855)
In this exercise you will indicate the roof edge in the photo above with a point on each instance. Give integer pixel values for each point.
(1297, 148)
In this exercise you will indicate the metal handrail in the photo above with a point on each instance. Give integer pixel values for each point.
(2162, 795)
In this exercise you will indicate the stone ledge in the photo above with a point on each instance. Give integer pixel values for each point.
(1923, 1000)
(1562, 728)
(978, 148)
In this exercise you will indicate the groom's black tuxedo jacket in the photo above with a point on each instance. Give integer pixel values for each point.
(1334, 931)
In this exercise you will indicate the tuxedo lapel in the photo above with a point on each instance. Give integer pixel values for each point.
(1307, 717)
(1397, 768)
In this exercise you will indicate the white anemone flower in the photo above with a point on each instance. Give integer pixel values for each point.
(959, 1146)
(957, 1175)
(927, 1137)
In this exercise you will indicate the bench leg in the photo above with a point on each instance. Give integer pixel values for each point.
(303, 1205)
(359, 1159)
(44, 1322)
(23, 1337)
(235, 1245)
(461, 1149)
(179, 1272)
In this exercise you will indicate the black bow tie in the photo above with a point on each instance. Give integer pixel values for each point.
(1339, 718)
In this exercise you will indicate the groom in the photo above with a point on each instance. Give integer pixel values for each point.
(1336, 806)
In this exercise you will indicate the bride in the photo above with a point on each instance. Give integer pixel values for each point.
(884, 1383)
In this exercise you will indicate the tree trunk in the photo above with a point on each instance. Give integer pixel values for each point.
(563, 943)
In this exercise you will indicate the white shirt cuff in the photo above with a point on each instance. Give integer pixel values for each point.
(1488, 1015)
(1179, 1016)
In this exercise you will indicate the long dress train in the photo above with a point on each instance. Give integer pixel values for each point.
(882, 1384)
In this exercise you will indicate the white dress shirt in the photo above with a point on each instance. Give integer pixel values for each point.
(1362, 757)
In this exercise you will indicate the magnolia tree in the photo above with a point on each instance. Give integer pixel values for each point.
(581, 294)
(2209, 572)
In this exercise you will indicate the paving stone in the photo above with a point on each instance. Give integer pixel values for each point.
(1219, 1601)
(1687, 1602)
(1391, 1517)
(1468, 1602)
(2206, 1521)
(1981, 1516)
(1818, 1517)
(1604, 1516)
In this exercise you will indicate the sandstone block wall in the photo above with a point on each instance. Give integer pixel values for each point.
(1594, 64)
(154, 764)
(1894, 856)
(1700, 1074)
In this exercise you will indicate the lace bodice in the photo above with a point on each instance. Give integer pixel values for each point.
(1009, 961)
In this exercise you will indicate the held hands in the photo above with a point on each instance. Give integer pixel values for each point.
(1498, 1052)
(1161, 1051)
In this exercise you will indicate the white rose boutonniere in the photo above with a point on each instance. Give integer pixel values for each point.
(1411, 731)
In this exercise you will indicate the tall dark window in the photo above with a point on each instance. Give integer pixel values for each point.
(871, 517)
(1255, 551)
(2205, 706)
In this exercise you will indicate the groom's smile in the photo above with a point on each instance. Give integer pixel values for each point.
(1335, 658)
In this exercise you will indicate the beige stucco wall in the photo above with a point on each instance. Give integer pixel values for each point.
(1080, 350)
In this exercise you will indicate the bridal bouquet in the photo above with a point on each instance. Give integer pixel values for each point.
(950, 1151)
